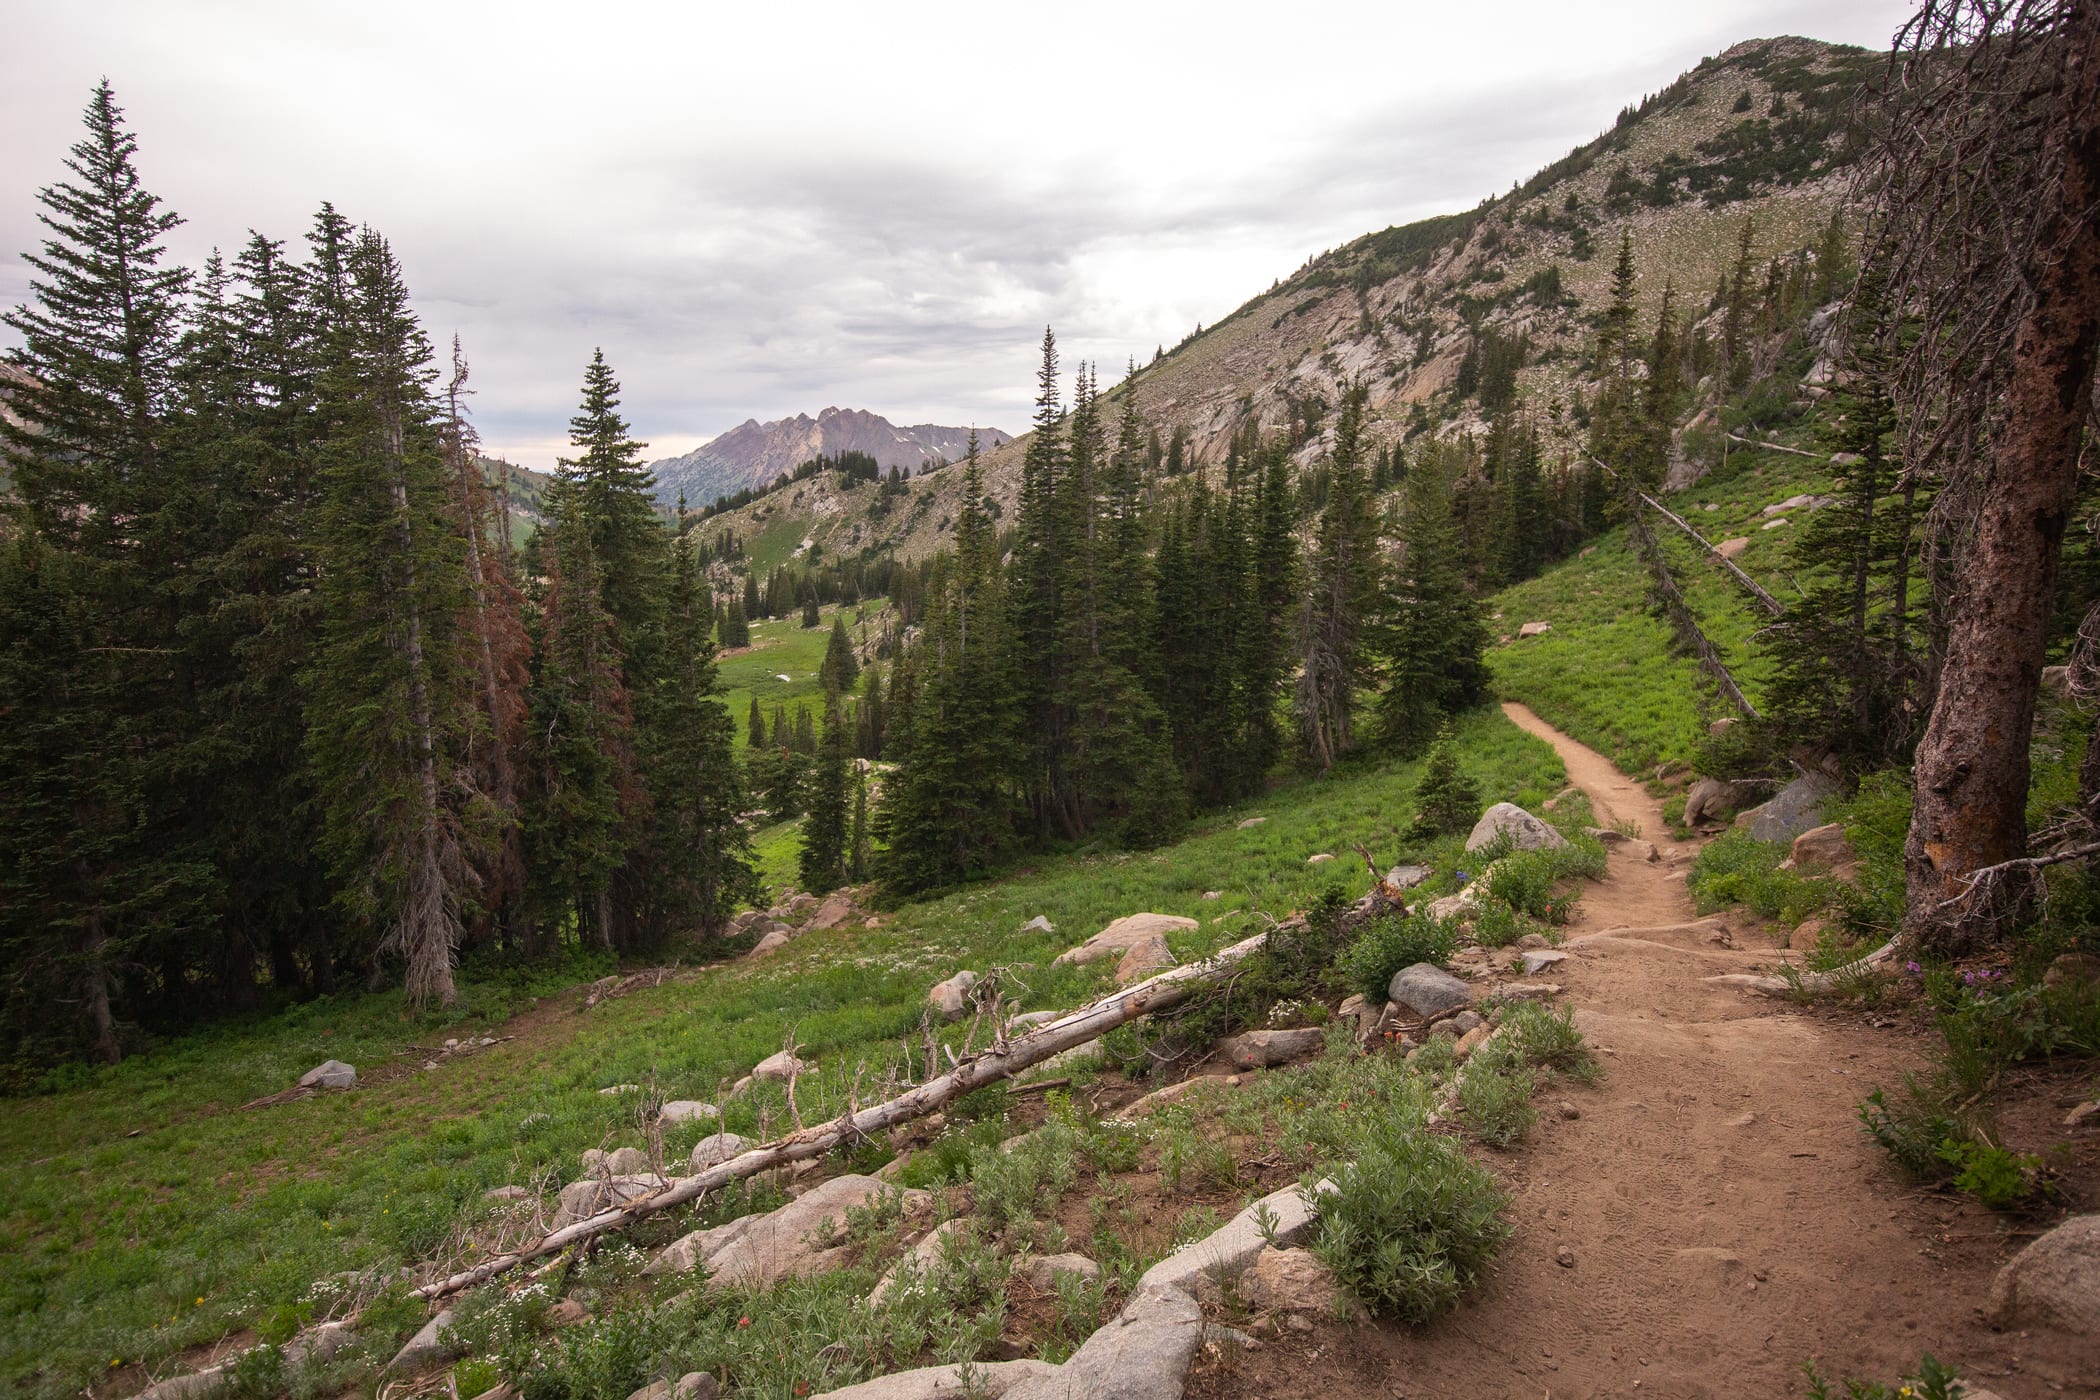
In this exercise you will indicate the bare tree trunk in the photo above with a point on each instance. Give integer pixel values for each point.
(94, 986)
(1972, 766)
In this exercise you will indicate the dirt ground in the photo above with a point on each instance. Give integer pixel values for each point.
(1728, 1219)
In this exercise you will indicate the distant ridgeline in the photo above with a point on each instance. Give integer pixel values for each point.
(749, 459)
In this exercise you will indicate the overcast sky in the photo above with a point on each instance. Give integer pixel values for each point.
(765, 209)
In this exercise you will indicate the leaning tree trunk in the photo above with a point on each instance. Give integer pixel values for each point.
(1972, 765)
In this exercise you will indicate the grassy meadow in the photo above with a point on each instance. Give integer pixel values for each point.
(151, 1213)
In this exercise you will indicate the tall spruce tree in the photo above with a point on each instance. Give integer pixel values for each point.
(1429, 636)
(1344, 573)
(825, 830)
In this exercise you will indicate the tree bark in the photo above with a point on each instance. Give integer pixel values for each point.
(1971, 772)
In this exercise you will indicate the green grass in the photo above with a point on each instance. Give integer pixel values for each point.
(135, 1248)
(1609, 673)
(779, 647)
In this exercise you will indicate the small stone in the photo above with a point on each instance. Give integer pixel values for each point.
(1251, 823)
(1042, 1271)
(1534, 940)
(1565, 1257)
(1126, 933)
(1029, 1020)
(1465, 1022)
(1262, 1049)
(1534, 629)
(695, 1385)
(1730, 549)
(1039, 924)
(1567, 1110)
(2073, 970)
(1538, 960)
(426, 1348)
(1214, 894)
(1822, 846)
(1320, 859)
(1352, 1006)
(1472, 1040)
(1406, 877)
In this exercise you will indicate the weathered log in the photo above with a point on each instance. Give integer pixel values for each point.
(1002, 1061)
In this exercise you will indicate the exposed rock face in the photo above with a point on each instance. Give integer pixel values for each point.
(1426, 990)
(804, 1236)
(2054, 1282)
(754, 453)
(1794, 809)
(329, 1074)
(1124, 934)
(1526, 832)
(1261, 1049)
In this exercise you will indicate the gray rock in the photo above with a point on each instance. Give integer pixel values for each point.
(318, 1344)
(1538, 960)
(989, 1379)
(796, 1239)
(329, 1074)
(1261, 1049)
(1142, 960)
(1426, 990)
(833, 911)
(1526, 832)
(952, 997)
(1715, 800)
(1125, 933)
(505, 1193)
(687, 1111)
(689, 1253)
(1406, 877)
(919, 1260)
(695, 1385)
(1039, 924)
(426, 1348)
(1822, 846)
(1291, 1281)
(1795, 808)
(772, 942)
(1464, 1023)
(1320, 858)
(2054, 1282)
(717, 1148)
(1251, 823)
(780, 1066)
(580, 1200)
(1143, 1354)
(627, 1161)
(1534, 629)
(2073, 970)
(196, 1385)
(1029, 1020)
(1042, 1271)
(1232, 1247)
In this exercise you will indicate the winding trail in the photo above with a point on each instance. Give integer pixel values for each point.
(1727, 1218)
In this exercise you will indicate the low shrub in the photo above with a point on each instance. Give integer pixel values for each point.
(1391, 942)
(1737, 868)
(1496, 1097)
(1413, 1222)
(1933, 1381)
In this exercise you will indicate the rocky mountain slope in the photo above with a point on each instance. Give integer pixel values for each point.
(1758, 133)
(754, 453)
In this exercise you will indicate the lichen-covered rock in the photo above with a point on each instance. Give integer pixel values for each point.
(1525, 832)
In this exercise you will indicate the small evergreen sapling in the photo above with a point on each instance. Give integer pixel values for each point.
(1447, 801)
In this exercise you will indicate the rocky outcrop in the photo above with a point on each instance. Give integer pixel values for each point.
(754, 454)
(1124, 934)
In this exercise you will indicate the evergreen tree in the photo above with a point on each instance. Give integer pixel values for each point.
(1345, 579)
(809, 609)
(1736, 355)
(1429, 638)
(756, 726)
(825, 833)
(1446, 800)
(841, 668)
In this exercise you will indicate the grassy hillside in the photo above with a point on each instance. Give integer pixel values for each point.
(151, 1213)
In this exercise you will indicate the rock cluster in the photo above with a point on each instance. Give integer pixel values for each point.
(792, 917)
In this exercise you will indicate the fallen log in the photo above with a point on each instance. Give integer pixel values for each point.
(1809, 983)
(990, 1067)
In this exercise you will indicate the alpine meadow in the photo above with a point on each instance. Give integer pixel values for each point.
(1515, 815)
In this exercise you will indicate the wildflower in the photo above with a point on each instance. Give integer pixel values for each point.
(1913, 969)
(743, 1322)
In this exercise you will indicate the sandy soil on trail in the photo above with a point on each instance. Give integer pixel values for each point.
(1728, 1219)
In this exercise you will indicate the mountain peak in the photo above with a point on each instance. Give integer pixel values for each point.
(753, 454)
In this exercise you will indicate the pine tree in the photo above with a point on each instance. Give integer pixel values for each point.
(825, 834)
(1446, 800)
(810, 617)
(1429, 637)
(841, 668)
(1035, 605)
(1345, 578)
(1736, 356)
(756, 726)
(390, 691)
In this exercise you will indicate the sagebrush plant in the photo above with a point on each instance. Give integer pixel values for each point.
(1496, 1097)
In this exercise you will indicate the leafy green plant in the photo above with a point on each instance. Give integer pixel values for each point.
(1933, 1381)
(1412, 1222)
(1540, 1036)
(1998, 1178)
(1391, 942)
(1737, 868)
(1496, 1097)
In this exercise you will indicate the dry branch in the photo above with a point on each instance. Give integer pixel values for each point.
(1065, 1033)
(1681, 618)
(1772, 605)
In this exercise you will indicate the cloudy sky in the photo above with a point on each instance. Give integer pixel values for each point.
(765, 209)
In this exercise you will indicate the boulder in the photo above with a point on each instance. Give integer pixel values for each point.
(770, 943)
(1124, 934)
(1472, 1040)
(1039, 924)
(2054, 1282)
(1251, 823)
(1042, 1271)
(689, 1253)
(1534, 629)
(717, 1148)
(693, 1385)
(580, 1200)
(952, 997)
(1142, 960)
(626, 1161)
(833, 911)
(1822, 846)
(1730, 549)
(1143, 1354)
(1806, 934)
(1160, 1098)
(1526, 832)
(1029, 1020)
(1720, 726)
(1781, 523)
(780, 1066)
(1425, 990)
(317, 1344)
(1794, 809)
(427, 1347)
(1261, 1049)
(802, 1237)
(803, 904)
(505, 1193)
(1406, 877)
(687, 1111)
(1790, 503)
(1291, 1281)
(1715, 800)
(329, 1074)
(1538, 960)
(1228, 1250)
(1464, 1023)
(988, 1379)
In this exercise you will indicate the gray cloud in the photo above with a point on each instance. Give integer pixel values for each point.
(870, 206)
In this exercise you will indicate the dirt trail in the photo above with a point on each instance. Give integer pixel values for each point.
(1728, 1219)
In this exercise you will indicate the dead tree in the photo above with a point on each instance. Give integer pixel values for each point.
(1984, 224)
